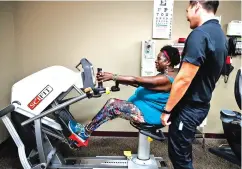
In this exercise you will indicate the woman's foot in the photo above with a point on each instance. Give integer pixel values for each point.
(78, 130)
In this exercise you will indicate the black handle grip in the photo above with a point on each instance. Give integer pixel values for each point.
(157, 136)
(99, 70)
(116, 87)
(7, 110)
(100, 84)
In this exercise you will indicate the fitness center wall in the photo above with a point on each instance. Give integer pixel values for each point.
(8, 64)
(35, 35)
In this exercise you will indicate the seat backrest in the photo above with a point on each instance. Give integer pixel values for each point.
(238, 88)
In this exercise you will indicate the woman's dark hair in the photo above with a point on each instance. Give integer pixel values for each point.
(173, 54)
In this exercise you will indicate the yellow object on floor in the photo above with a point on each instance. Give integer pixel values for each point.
(128, 154)
(150, 139)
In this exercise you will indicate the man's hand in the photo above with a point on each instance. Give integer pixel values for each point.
(164, 119)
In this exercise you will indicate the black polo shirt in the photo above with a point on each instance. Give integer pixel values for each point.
(206, 47)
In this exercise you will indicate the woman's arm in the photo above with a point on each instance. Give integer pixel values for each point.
(158, 83)
(134, 85)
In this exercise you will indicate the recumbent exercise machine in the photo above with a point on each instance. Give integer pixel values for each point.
(232, 123)
(40, 115)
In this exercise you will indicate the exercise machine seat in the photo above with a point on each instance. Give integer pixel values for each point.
(146, 126)
(229, 116)
(150, 130)
(238, 88)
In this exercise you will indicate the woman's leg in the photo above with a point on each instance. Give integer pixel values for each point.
(112, 109)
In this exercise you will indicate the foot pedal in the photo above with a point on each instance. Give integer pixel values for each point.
(77, 141)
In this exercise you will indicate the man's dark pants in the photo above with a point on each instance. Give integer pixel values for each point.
(184, 121)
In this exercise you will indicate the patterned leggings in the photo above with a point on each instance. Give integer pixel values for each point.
(112, 109)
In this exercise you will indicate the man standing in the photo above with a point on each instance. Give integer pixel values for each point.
(203, 59)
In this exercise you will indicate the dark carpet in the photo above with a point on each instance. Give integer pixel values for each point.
(203, 159)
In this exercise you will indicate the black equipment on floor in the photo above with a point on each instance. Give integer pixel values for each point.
(231, 121)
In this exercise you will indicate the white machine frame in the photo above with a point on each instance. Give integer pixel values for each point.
(45, 127)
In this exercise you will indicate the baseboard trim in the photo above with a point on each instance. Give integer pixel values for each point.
(124, 134)
(115, 134)
(215, 135)
(136, 134)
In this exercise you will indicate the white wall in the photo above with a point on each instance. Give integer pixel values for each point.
(109, 34)
(8, 65)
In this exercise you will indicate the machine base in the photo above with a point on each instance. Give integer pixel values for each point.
(109, 162)
(226, 153)
(152, 163)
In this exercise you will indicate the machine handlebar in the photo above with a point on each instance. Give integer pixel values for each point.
(99, 90)
(78, 66)
(7, 110)
(116, 87)
(100, 84)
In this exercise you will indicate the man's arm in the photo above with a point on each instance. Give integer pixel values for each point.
(181, 84)
(194, 56)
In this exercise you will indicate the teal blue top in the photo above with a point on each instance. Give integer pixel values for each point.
(150, 103)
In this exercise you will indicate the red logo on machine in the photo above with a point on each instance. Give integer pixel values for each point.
(41, 96)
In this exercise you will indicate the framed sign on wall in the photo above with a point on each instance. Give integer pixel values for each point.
(162, 19)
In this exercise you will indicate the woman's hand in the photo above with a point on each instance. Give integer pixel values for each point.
(104, 76)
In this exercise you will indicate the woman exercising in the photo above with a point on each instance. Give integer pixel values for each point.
(145, 105)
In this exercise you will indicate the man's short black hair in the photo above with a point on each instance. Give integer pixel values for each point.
(208, 5)
(173, 54)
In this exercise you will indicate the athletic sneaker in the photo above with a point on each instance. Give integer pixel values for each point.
(78, 129)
